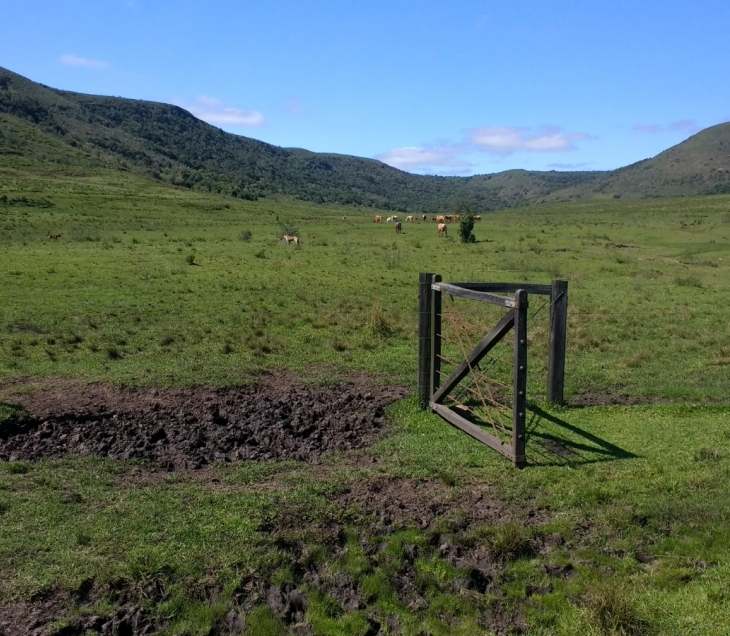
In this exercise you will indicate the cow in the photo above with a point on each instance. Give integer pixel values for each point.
(291, 238)
(457, 217)
(55, 237)
(478, 217)
(344, 218)
(389, 219)
(424, 217)
(440, 219)
(410, 219)
(398, 227)
(448, 217)
(443, 230)
(378, 219)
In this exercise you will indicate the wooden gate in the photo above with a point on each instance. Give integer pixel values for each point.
(470, 394)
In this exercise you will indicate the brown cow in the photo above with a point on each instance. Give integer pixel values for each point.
(291, 238)
(440, 219)
(378, 219)
(478, 217)
(410, 219)
(443, 230)
(398, 227)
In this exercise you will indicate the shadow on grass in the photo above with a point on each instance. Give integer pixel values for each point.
(551, 441)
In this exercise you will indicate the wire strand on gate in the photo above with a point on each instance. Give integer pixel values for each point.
(458, 322)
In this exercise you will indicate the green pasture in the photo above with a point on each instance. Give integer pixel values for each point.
(116, 298)
(150, 285)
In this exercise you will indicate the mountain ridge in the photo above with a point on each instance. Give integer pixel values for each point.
(167, 143)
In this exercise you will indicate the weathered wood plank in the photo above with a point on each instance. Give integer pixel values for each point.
(424, 338)
(435, 379)
(556, 341)
(484, 297)
(485, 345)
(507, 288)
(472, 429)
(519, 405)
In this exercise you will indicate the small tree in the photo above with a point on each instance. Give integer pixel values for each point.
(466, 224)
(287, 227)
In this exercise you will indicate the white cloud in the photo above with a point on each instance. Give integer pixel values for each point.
(570, 166)
(69, 59)
(295, 106)
(682, 125)
(217, 113)
(419, 158)
(446, 156)
(504, 140)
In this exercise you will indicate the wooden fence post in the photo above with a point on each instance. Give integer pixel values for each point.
(519, 415)
(558, 331)
(425, 295)
(435, 338)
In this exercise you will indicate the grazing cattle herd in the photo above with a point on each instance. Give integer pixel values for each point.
(440, 219)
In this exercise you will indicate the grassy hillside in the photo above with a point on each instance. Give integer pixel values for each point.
(700, 165)
(168, 144)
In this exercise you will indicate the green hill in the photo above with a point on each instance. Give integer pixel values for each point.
(699, 165)
(61, 130)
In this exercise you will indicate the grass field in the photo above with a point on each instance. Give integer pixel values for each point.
(154, 287)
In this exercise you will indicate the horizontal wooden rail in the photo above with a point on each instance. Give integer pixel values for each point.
(453, 290)
(507, 288)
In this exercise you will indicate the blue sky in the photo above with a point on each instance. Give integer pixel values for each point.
(460, 88)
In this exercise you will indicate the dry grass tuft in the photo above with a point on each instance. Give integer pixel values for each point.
(611, 611)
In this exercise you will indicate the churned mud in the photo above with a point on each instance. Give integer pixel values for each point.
(276, 419)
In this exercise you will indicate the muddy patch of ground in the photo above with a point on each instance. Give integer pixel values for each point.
(398, 502)
(377, 506)
(64, 613)
(276, 419)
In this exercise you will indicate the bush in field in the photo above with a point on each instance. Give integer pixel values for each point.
(190, 259)
(245, 236)
(287, 227)
(466, 225)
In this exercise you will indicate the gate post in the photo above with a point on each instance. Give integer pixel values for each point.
(435, 337)
(520, 378)
(425, 295)
(556, 353)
